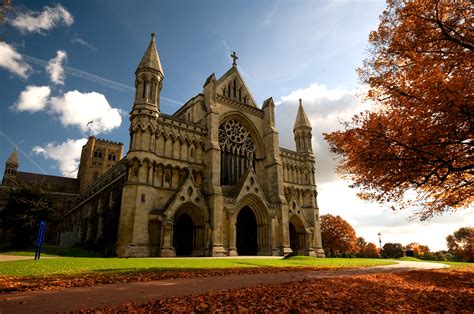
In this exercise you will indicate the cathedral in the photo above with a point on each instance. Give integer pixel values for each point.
(208, 180)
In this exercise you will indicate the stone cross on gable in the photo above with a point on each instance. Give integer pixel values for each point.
(234, 58)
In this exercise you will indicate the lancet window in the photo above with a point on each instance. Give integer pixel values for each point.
(237, 151)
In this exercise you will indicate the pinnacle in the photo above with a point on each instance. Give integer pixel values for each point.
(150, 58)
(13, 160)
(302, 120)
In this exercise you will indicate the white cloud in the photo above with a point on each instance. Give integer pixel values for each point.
(67, 155)
(11, 60)
(37, 22)
(55, 67)
(33, 98)
(72, 108)
(77, 109)
(324, 107)
(78, 40)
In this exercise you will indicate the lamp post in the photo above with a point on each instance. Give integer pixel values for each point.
(380, 240)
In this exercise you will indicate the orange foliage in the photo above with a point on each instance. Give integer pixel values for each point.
(338, 236)
(418, 249)
(371, 250)
(420, 135)
(414, 291)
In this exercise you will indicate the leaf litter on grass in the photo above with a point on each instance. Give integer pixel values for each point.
(445, 290)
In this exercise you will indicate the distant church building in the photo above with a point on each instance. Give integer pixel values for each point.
(209, 180)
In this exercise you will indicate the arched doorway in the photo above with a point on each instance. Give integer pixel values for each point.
(246, 232)
(183, 235)
(297, 235)
(294, 243)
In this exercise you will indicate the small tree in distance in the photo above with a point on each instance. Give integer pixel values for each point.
(338, 236)
(418, 249)
(361, 244)
(371, 250)
(461, 244)
(392, 250)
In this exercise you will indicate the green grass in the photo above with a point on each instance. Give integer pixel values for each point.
(75, 265)
(409, 258)
(50, 250)
(451, 264)
(24, 253)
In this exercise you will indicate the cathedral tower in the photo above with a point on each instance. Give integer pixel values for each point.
(302, 131)
(138, 192)
(146, 108)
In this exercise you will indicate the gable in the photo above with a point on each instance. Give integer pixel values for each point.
(232, 86)
(188, 195)
(248, 185)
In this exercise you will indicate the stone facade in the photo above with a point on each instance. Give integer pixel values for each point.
(209, 180)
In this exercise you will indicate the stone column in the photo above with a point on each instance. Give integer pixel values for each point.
(232, 239)
(166, 248)
(213, 160)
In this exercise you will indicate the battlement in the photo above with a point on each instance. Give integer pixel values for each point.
(105, 141)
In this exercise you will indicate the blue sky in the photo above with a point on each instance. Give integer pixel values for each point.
(63, 64)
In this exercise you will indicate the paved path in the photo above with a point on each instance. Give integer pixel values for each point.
(71, 299)
(7, 258)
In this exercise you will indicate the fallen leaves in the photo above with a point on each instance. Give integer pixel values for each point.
(420, 291)
(21, 283)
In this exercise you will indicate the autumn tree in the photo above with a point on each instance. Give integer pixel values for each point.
(419, 135)
(418, 249)
(361, 244)
(371, 250)
(24, 210)
(392, 250)
(461, 244)
(338, 236)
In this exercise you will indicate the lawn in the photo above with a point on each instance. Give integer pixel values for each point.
(451, 264)
(76, 265)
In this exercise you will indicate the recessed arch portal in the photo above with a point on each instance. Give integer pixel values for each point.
(246, 232)
(188, 232)
(183, 235)
(297, 235)
(253, 212)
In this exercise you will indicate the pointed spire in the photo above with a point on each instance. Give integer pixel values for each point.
(150, 58)
(301, 118)
(13, 160)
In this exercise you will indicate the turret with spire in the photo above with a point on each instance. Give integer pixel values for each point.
(11, 167)
(302, 131)
(146, 108)
(149, 79)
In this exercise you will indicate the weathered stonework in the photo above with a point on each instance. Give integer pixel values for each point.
(209, 180)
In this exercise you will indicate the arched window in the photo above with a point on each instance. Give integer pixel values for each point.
(237, 151)
(235, 89)
(144, 89)
(152, 90)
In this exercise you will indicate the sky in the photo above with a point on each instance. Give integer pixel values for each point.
(65, 63)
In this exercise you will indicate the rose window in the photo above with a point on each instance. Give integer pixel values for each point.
(237, 151)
